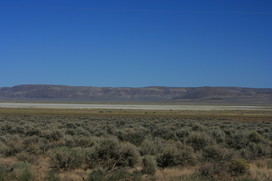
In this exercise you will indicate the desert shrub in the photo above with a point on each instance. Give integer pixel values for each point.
(31, 145)
(151, 146)
(97, 174)
(214, 171)
(255, 150)
(119, 174)
(26, 157)
(52, 135)
(102, 174)
(136, 175)
(98, 132)
(193, 177)
(69, 141)
(238, 141)
(217, 153)
(229, 132)
(17, 129)
(71, 132)
(174, 141)
(198, 127)
(6, 128)
(259, 150)
(81, 132)
(3, 148)
(130, 155)
(70, 125)
(218, 135)
(149, 165)
(182, 133)
(13, 146)
(22, 171)
(165, 133)
(199, 140)
(84, 142)
(238, 167)
(67, 158)
(132, 136)
(221, 165)
(255, 137)
(111, 154)
(52, 176)
(207, 169)
(32, 131)
(246, 153)
(174, 155)
(2, 174)
(6, 171)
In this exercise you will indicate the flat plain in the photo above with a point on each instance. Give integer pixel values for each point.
(73, 142)
(132, 106)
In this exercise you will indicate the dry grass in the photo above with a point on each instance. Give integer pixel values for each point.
(74, 175)
(174, 173)
(260, 170)
(230, 115)
(41, 168)
(7, 161)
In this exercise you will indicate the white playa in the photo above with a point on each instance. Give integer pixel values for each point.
(131, 106)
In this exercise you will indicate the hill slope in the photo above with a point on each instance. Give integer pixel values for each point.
(177, 94)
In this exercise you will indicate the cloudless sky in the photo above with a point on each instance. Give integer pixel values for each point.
(136, 43)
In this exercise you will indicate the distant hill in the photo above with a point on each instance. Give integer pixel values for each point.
(173, 94)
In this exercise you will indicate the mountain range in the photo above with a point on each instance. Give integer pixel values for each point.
(155, 93)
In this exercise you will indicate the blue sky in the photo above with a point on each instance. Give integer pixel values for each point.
(136, 43)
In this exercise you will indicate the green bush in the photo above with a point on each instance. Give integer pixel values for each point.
(22, 171)
(12, 146)
(67, 158)
(182, 133)
(176, 155)
(119, 174)
(238, 141)
(52, 176)
(218, 135)
(113, 140)
(214, 171)
(26, 157)
(102, 174)
(149, 165)
(98, 174)
(198, 127)
(33, 131)
(238, 167)
(52, 135)
(255, 137)
(132, 136)
(165, 133)
(2, 174)
(199, 140)
(111, 154)
(151, 146)
(269, 164)
(217, 153)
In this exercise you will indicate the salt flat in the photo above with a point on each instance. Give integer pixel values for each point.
(130, 106)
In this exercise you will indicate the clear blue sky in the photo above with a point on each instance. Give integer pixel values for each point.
(136, 43)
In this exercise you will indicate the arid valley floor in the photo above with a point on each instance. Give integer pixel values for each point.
(72, 142)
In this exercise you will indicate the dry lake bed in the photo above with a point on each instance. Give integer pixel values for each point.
(131, 106)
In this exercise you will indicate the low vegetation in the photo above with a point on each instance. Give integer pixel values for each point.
(58, 145)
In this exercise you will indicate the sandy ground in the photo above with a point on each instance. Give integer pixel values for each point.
(130, 106)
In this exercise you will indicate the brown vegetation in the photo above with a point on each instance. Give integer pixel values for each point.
(44, 144)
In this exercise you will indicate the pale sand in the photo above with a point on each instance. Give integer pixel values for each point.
(131, 106)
